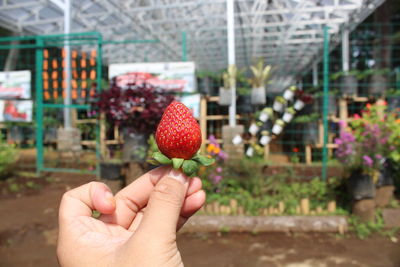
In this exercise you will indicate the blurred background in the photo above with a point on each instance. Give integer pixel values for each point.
(298, 102)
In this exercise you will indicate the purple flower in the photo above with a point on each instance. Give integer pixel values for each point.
(217, 179)
(219, 169)
(368, 161)
(378, 156)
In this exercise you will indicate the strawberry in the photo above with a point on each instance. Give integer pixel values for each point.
(178, 138)
(178, 135)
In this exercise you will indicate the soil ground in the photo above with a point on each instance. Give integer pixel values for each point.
(28, 234)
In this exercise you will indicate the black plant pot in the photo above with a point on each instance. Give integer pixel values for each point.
(244, 104)
(378, 84)
(361, 185)
(386, 174)
(110, 171)
(348, 85)
(135, 146)
(310, 133)
(332, 107)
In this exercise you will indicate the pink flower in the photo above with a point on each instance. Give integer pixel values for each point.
(356, 116)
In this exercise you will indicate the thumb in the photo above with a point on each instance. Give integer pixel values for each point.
(165, 203)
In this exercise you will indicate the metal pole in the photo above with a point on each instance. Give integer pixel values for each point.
(315, 74)
(39, 105)
(231, 57)
(67, 48)
(325, 103)
(345, 50)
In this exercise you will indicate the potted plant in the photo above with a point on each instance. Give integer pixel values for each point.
(310, 127)
(265, 138)
(348, 81)
(229, 81)
(393, 98)
(278, 126)
(289, 93)
(244, 104)
(379, 81)
(110, 169)
(279, 104)
(265, 114)
(366, 146)
(137, 111)
(332, 107)
(258, 82)
(302, 99)
(288, 115)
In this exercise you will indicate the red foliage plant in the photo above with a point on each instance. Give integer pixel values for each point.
(138, 107)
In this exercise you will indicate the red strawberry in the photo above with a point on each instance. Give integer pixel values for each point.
(178, 135)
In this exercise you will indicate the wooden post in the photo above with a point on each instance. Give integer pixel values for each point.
(321, 133)
(343, 112)
(103, 147)
(203, 122)
(308, 154)
(266, 152)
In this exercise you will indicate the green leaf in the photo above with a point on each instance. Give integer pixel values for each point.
(177, 163)
(204, 160)
(190, 167)
(161, 158)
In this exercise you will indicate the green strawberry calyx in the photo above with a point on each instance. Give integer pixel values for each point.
(188, 166)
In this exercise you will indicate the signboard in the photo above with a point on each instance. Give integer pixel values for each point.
(193, 103)
(16, 110)
(15, 84)
(172, 76)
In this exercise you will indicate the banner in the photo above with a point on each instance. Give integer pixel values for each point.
(172, 76)
(15, 84)
(16, 110)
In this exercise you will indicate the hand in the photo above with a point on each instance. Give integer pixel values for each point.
(137, 227)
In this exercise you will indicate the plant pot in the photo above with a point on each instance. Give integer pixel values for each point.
(348, 85)
(278, 106)
(258, 96)
(310, 133)
(386, 174)
(361, 185)
(244, 104)
(265, 139)
(287, 117)
(15, 134)
(378, 84)
(332, 105)
(277, 129)
(135, 146)
(298, 105)
(50, 135)
(225, 97)
(288, 95)
(110, 171)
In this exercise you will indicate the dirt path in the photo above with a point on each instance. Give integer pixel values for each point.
(28, 232)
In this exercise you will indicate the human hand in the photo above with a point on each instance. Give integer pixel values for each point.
(137, 227)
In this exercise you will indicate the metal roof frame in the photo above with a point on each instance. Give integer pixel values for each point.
(287, 33)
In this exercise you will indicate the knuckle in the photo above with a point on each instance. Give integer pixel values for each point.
(168, 192)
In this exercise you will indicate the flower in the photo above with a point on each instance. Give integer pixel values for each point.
(368, 161)
(295, 149)
(369, 106)
(356, 116)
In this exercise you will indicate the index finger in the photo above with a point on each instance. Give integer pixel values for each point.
(131, 199)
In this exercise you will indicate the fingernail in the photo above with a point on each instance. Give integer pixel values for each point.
(177, 175)
(109, 197)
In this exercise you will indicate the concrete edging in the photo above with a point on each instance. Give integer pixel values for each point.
(209, 223)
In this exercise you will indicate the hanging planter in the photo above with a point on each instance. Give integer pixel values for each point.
(278, 127)
(279, 104)
(349, 84)
(289, 93)
(265, 138)
(225, 96)
(258, 96)
(299, 104)
(378, 84)
(258, 81)
(229, 80)
(265, 114)
(288, 115)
